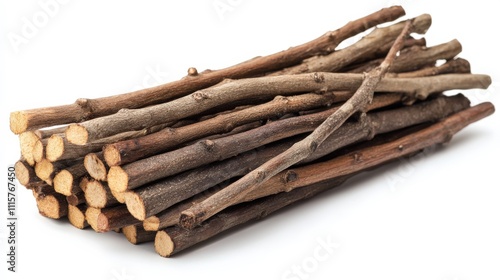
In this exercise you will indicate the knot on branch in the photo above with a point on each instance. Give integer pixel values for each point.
(208, 144)
(200, 95)
(318, 78)
(86, 106)
(192, 71)
(289, 176)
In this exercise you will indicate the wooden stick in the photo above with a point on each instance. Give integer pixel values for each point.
(26, 175)
(269, 86)
(136, 234)
(76, 216)
(84, 109)
(39, 150)
(365, 47)
(416, 57)
(95, 166)
(115, 217)
(52, 206)
(158, 196)
(91, 215)
(58, 148)
(27, 141)
(458, 65)
(131, 176)
(47, 170)
(300, 150)
(98, 195)
(131, 150)
(67, 181)
(76, 198)
(42, 191)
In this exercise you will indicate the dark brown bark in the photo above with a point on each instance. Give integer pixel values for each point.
(84, 109)
(114, 218)
(76, 198)
(133, 175)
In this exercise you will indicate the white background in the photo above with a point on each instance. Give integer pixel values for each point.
(432, 218)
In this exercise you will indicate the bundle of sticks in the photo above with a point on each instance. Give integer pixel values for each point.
(184, 161)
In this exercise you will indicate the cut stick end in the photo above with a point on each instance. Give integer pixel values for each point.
(51, 207)
(27, 141)
(188, 220)
(117, 179)
(91, 215)
(151, 224)
(111, 155)
(102, 223)
(164, 245)
(63, 182)
(38, 151)
(95, 167)
(18, 122)
(22, 173)
(130, 233)
(95, 194)
(76, 217)
(135, 205)
(44, 169)
(77, 134)
(55, 147)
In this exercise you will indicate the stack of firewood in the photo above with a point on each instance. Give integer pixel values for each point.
(181, 162)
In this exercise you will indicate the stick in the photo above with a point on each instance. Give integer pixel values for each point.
(84, 109)
(52, 206)
(158, 196)
(136, 234)
(114, 218)
(76, 198)
(26, 175)
(138, 173)
(95, 166)
(365, 47)
(98, 195)
(67, 181)
(27, 141)
(58, 148)
(458, 65)
(76, 216)
(300, 150)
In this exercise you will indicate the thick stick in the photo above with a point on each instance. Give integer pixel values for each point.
(27, 141)
(160, 195)
(175, 239)
(300, 150)
(85, 109)
(128, 151)
(76, 198)
(67, 181)
(138, 173)
(58, 148)
(114, 218)
(269, 87)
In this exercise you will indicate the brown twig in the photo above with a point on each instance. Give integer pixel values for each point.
(136, 234)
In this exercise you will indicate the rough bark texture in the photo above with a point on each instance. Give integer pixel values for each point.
(136, 234)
